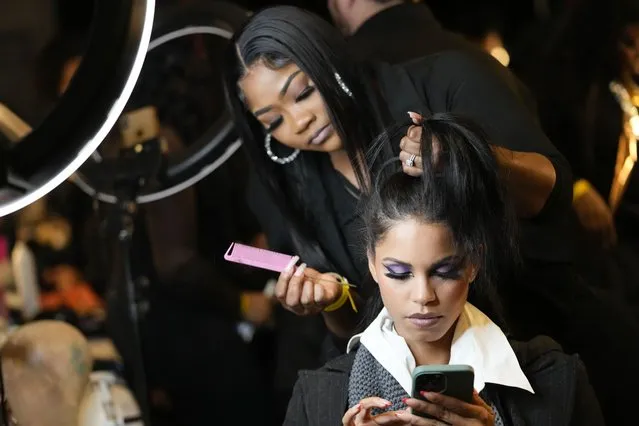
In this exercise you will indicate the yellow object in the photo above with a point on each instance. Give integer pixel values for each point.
(344, 296)
(244, 304)
(580, 188)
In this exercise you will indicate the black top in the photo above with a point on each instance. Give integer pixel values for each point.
(404, 32)
(344, 197)
(409, 31)
(456, 82)
(563, 396)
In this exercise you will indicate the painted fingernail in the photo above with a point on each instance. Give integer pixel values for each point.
(405, 401)
(292, 263)
(414, 116)
(300, 270)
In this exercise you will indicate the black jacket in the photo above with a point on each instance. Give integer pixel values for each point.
(563, 396)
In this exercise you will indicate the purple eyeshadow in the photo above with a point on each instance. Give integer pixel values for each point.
(397, 269)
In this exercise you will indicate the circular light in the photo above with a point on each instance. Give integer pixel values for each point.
(70, 134)
(219, 142)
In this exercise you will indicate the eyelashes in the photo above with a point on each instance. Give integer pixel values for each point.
(448, 272)
(274, 125)
(308, 91)
(399, 277)
(304, 94)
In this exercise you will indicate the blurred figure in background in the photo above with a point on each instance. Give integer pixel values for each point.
(589, 107)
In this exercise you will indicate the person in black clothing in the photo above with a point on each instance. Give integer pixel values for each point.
(307, 112)
(583, 110)
(429, 240)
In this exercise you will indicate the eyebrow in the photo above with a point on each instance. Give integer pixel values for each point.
(283, 90)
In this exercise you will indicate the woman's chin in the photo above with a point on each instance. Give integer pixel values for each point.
(424, 334)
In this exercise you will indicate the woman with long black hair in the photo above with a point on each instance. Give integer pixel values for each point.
(429, 240)
(307, 113)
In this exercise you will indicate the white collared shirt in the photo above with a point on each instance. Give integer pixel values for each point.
(477, 342)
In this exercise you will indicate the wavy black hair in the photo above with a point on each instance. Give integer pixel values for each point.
(461, 188)
(279, 36)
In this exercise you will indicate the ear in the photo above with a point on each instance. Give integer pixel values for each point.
(371, 266)
(474, 270)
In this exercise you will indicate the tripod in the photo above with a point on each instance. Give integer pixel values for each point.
(132, 173)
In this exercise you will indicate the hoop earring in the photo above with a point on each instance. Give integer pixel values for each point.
(343, 85)
(275, 158)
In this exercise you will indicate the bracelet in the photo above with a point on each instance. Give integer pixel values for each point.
(344, 296)
(580, 188)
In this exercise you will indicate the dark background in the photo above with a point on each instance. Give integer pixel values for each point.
(26, 26)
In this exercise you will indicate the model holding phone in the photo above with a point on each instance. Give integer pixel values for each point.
(427, 356)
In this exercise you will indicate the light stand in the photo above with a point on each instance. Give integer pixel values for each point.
(131, 173)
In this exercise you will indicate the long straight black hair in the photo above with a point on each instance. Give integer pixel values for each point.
(460, 188)
(276, 37)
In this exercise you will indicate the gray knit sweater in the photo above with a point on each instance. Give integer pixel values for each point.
(369, 378)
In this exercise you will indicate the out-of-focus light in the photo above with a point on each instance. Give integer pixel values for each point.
(501, 55)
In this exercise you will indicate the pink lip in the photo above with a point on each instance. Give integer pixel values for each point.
(424, 320)
(321, 135)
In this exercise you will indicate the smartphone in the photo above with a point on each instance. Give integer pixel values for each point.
(456, 381)
(257, 257)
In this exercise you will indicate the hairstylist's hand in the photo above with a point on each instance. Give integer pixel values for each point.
(595, 216)
(305, 291)
(411, 148)
(448, 411)
(410, 145)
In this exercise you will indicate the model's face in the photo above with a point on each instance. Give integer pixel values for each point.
(629, 47)
(422, 278)
(289, 106)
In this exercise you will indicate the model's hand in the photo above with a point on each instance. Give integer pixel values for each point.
(360, 414)
(448, 411)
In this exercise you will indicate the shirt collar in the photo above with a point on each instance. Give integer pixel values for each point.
(477, 342)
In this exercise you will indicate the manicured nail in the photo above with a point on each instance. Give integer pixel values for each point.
(405, 401)
(300, 270)
(292, 263)
(415, 117)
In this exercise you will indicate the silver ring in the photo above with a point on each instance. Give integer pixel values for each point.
(411, 160)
